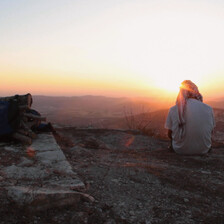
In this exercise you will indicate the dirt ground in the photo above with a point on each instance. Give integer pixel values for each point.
(134, 179)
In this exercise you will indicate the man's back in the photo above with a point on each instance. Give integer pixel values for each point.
(198, 128)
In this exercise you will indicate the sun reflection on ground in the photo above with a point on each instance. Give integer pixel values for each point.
(129, 141)
(30, 152)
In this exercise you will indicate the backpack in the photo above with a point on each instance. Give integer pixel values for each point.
(9, 117)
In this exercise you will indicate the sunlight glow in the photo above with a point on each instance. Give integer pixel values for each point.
(122, 48)
(172, 83)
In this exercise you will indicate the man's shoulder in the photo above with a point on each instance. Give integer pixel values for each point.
(173, 111)
(206, 106)
(173, 108)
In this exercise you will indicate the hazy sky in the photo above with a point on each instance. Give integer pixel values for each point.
(109, 47)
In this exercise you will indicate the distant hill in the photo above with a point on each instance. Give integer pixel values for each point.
(114, 113)
(216, 104)
(155, 122)
(88, 110)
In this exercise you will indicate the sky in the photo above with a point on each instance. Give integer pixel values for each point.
(137, 48)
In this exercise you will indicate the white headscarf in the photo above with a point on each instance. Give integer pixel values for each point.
(187, 90)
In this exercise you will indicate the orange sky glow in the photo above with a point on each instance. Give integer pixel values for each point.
(112, 48)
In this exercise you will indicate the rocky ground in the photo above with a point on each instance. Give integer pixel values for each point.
(133, 179)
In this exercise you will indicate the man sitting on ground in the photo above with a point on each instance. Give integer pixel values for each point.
(190, 122)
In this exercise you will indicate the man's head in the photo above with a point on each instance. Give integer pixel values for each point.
(189, 90)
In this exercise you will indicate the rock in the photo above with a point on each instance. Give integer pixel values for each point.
(66, 183)
(110, 221)
(11, 148)
(186, 200)
(87, 197)
(115, 180)
(205, 172)
(42, 198)
(78, 148)
(147, 222)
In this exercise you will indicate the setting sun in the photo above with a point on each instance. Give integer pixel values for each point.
(172, 83)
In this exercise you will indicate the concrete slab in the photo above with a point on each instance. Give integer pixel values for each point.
(44, 143)
(64, 167)
(42, 198)
(50, 156)
(65, 183)
(25, 173)
(26, 162)
(44, 178)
